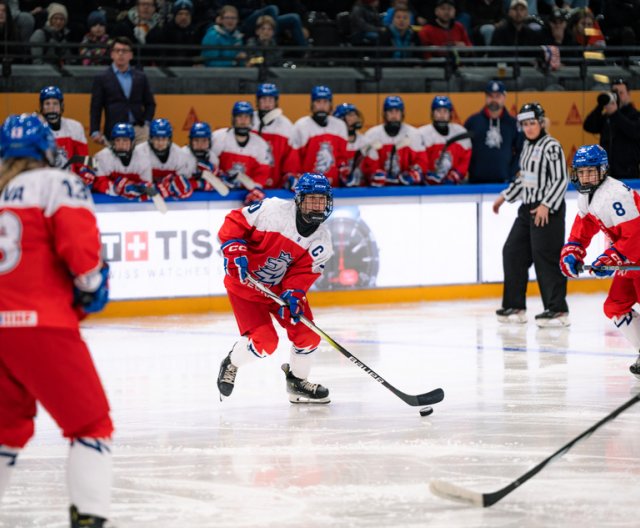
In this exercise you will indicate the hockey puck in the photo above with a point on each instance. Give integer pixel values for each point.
(426, 411)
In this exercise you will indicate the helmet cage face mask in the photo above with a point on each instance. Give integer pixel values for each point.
(314, 184)
(589, 156)
(588, 187)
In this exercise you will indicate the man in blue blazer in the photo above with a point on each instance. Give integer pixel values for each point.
(123, 93)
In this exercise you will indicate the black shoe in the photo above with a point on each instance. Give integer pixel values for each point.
(552, 319)
(227, 376)
(512, 315)
(79, 520)
(302, 391)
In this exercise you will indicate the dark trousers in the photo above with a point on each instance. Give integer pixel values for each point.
(540, 246)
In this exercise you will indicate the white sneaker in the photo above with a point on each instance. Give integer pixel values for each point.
(511, 315)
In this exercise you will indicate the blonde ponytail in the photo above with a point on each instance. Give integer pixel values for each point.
(14, 166)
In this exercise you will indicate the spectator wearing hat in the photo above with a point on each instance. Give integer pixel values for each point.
(554, 32)
(444, 30)
(94, 50)
(46, 42)
(617, 121)
(513, 30)
(496, 141)
(264, 39)
(366, 25)
(182, 30)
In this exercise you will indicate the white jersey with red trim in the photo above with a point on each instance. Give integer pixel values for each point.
(277, 132)
(614, 208)
(70, 140)
(176, 163)
(393, 154)
(192, 161)
(321, 149)
(109, 167)
(279, 256)
(48, 236)
(457, 156)
(353, 147)
(253, 158)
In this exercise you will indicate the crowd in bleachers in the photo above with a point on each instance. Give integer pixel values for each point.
(43, 28)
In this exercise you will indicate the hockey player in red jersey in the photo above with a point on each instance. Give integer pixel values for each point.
(51, 273)
(394, 151)
(321, 139)
(355, 143)
(200, 156)
(608, 205)
(120, 169)
(276, 130)
(169, 167)
(69, 133)
(452, 166)
(283, 245)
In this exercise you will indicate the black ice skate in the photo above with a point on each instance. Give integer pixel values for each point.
(635, 368)
(79, 520)
(302, 391)
(226, 377)
(549, 319)
(511, 315)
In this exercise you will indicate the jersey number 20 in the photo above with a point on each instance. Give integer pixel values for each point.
(10, 241)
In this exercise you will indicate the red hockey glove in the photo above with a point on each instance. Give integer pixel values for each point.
(433, 178)
(255, 195)
(199, 184)
(175, 185)
(87, 175)
(411, 177)
(128, 188)
(344, 174)
(572, 259)
(453, 176)
(610, 257)
(378, 178)
(295, 300)
(202, 166)
(236, 263)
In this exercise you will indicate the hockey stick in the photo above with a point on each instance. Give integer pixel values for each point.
(158, 200)
(246, 181)
(215, 182)
(450, 491)
(451, 141)
(82, 160)
(622, 267)
(428, 398)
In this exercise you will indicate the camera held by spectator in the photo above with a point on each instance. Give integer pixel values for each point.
(606, 98)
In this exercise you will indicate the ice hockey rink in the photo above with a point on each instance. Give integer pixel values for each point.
(514, 395)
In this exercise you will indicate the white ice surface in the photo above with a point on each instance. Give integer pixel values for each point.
(513, 396)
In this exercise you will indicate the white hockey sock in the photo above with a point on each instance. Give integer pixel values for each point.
(244, 352)
(89, 476)
(300, 362)
(629, 325)
(8, 456)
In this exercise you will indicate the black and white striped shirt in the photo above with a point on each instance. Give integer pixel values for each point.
(543, 174)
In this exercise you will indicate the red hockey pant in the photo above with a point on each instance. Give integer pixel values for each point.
(623, 294)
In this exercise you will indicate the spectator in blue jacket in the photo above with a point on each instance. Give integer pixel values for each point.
(224, 33)
(496, 142)
(401, 36)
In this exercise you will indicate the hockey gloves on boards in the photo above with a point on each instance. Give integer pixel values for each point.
(128, 188)
(175, 185)
(610, 257)
(254, 195)
(410, 177)
(295, 300)
(87, 174)
(91, 292)
(378, 179)
(572, 259)
(236, 263)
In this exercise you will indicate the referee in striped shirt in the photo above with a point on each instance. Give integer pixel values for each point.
(537, 234)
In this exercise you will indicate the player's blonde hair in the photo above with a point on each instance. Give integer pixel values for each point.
(14, 166)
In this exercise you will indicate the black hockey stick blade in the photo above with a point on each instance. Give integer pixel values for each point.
(621, 267)
(428, 398)
(446, 490)
(82, 160)
(458, 137)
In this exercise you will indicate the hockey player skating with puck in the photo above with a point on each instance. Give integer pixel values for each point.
(608, 205)
(283, 245)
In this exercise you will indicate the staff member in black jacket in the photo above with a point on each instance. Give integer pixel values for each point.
(618, 123)
(537, 234)
(124, 94)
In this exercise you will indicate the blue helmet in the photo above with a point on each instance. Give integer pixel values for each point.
(26, 136)
(123, 130)
(267, 90)
(589, 156)
(321, 92)
(441, 101)
(242, 107)
(51, 92)
(393, 102)
(200, 129)
(160, 128)
(343, 109)
(314, 183)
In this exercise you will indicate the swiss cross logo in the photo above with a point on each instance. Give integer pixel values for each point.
(136, 246)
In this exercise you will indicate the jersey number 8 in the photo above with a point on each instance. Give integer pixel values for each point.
(10, 241)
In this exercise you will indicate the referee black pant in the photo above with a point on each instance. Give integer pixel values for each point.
(528, 244)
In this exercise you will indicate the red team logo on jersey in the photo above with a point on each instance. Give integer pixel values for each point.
(136, 246)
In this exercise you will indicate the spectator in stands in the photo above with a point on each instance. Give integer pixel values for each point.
(580, 20)
(265, 31)
(618, 123)
(554, 33)
(496, 142)
(444, 30)
(8, 31)
(95, 41)
(621, 22)
(181, 30)
(387, 20)
(123, 93)
(514, 31)
(401, 35)
(224, 33)
(485, 15)
(138, 21)
(23, 20)
(46, 41)
(366, 25)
